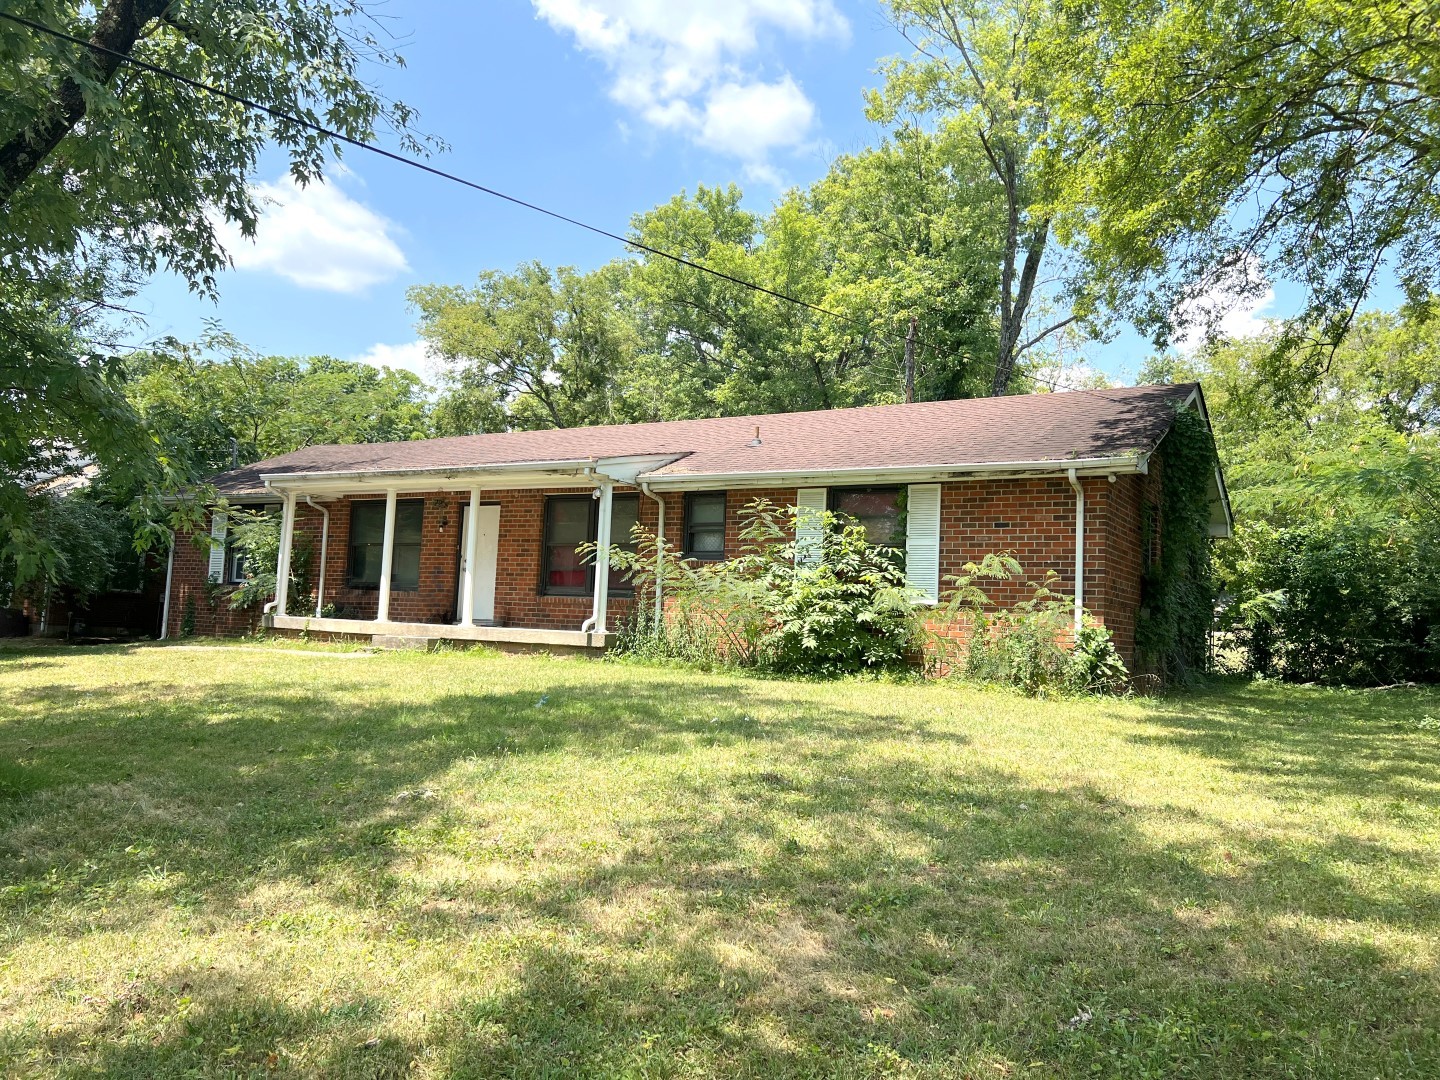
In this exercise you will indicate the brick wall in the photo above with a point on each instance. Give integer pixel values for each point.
(1034, 519)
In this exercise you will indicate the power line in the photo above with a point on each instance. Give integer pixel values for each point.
(360, 144)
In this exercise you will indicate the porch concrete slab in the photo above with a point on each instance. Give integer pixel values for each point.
(424, 633)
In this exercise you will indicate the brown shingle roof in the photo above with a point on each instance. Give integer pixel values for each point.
(975, 431)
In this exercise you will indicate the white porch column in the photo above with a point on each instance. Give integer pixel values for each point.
(387, 559)
(282, 566)
(467, 604)
(602, 556)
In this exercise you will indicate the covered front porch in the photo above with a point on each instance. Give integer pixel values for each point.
(463, 555)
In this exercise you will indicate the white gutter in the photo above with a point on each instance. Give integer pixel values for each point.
(1128, 463)
(1079, 550)
(324, 547)
(659, 552)
(447, 472)
(169, 577)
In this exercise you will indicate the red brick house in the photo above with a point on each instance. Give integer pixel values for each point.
(474, 538)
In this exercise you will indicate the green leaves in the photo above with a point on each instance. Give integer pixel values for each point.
(1292, 138)
(109, 172)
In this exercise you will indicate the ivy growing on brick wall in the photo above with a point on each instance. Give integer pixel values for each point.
(1177, 594)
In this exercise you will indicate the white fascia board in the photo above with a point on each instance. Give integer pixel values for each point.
(621, 470)
(423, 479)
(1126, 464)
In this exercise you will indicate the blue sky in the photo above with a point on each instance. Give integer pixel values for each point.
(596, 108)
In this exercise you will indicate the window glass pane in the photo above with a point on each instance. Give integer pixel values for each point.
(569, 521)
(708, 540)
(404, 567)
(409, 516)
(878, 510)
(567, 571)
(365, 564)
(624, 513)
(367, 522)
(707, 509)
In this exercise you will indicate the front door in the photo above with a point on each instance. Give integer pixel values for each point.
(487, 549)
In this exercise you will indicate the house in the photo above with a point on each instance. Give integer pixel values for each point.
(475, 538)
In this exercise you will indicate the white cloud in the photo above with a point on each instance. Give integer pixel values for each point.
(412, 356)
(318, 237)
(1235, 306)
(689, 66)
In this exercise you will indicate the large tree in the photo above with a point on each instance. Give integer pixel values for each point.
(983, 76)
(109, 171)
(1215, 144)
(217, 402)
(530, 349)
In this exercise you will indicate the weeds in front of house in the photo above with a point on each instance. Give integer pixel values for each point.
(1033, 645)
(808, 595)
(805, 595)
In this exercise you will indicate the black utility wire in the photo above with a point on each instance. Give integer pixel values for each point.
(360, 144)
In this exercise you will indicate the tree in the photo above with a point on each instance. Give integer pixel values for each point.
(1213, 144)
(109, 172)
(1335, 481)
(983, 72)
(548, 347)
(215, 403)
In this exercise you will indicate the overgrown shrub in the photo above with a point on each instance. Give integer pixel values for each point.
(86, 543)
(1031, 646)
(1336, 601)
(829, 604)
(1177, 594)
(258, 534)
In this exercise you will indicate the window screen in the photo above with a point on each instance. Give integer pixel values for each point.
(705, 525)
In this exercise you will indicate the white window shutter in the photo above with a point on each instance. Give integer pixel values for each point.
(922, 540)
(811, 502)
(218, 519)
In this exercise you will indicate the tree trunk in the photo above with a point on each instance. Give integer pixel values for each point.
(118, 26)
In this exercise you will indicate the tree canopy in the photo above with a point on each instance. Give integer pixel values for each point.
(1214, 144)
(109, 172)
(1335, 481)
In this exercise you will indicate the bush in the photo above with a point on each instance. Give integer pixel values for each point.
(257, 532)
(1025, 646)
(1338, 602)
(834, 605)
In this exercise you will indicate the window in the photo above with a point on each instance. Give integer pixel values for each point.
(367, 544)
(880, 509)
(571, 521)
(237, 561)
(624, 515)
(567, 526)
(705, 525)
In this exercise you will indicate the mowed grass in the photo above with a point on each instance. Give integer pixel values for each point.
(245, 862)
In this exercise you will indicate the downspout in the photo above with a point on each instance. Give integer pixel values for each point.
(169, 577)
(602, 555)
(659, 553)
(324, 546)
(1079, 550)
(589, 624)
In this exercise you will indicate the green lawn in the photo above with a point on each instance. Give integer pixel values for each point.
(253, 862)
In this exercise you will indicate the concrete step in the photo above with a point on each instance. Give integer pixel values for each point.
(401, 641)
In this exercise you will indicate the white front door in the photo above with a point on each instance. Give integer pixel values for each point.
(487, 549)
